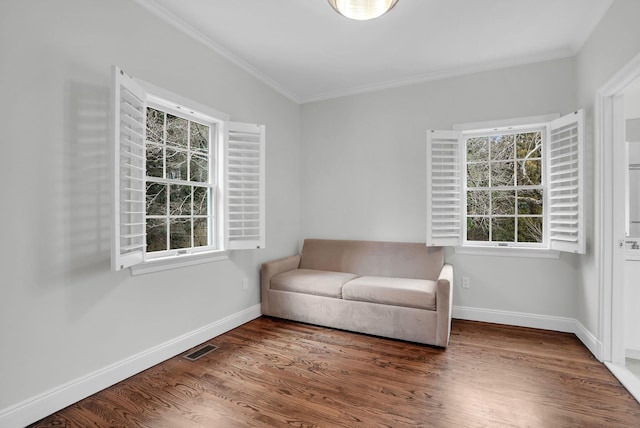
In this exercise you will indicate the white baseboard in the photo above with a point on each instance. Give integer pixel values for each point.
(632, 353)
(521, 319)
(589, 340)
(51, 401)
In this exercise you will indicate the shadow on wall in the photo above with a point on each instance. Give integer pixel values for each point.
(87, 198)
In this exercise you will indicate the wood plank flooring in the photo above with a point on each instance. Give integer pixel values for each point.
(275, 373)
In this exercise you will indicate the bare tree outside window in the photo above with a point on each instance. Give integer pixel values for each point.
(505, 188)
(178, 186)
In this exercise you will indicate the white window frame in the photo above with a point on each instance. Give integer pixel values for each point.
(502, 131)
(244, 151)
(215, 121)
(447, 227)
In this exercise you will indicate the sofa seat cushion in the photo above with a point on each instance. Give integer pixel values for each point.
(309, 281)
(413, 293)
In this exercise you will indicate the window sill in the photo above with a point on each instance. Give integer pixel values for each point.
(535, 253)
(174, 262)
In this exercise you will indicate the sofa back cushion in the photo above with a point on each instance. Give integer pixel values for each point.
(372, 258)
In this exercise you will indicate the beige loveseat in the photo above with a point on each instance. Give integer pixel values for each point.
(390, 289)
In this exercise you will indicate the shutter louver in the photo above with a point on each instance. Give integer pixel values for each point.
(129, 128)
(566, 224)
(444, 188)
(245, 190)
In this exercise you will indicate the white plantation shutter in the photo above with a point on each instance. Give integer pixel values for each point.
(565, 178)
(444, 188)
(129, 127)
(245, 188)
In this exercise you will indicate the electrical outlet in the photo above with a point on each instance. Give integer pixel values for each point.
(245, 284)
(466, 282)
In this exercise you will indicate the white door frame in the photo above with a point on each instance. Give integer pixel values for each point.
(609, 219)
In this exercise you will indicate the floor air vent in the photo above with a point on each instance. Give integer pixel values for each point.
(200, 352)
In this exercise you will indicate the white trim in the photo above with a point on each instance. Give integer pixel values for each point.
(632, 353)
(35, 408)
(159, 95)
(174, 262)
(609, 319)
(516, 122)
(534, 253)
(438, 75)
(187, 29)
(520, 319)
(626, 378)
(543, 322)
(561, 53)
(600, 228)
(589, 340)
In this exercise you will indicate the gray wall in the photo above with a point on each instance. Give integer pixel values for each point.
(352, 167)
(613, 43)
(364, 174)
(63, 313)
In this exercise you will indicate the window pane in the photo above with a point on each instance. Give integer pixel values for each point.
(530, 229)
(478, 202)
(180, 200)
(477, 149)
(155, 161)
(530, 202)
(176, 164)
(499, 164)
(478, 175)
(199, 168)
(200, 201)
(529, 173)
(200, 232)
(156, 199)
(502, 174)
(155, 125)
(503, 229)
(199, 137)
(180, 233)
(156, 234)
(503, 202)
(501, 147)
(177, 131)
(477, 228)
(529, 145)
(180, 166)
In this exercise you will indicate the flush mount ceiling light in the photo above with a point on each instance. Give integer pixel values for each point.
(362, 9)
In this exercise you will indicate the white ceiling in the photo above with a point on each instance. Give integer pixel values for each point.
(308, 52)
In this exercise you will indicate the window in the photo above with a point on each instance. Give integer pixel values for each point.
(187, 181)
(180, 182)
(504, 187)
(515, 186)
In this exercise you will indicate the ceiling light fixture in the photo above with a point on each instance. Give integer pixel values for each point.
(362, 9)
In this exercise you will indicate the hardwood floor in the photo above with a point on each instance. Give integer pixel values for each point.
(274, 373)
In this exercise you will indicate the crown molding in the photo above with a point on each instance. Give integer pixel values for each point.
(189, 30)
(439, 75)
(184, 27)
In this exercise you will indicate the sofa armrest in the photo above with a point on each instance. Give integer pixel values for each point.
(269, 270)
(444, 305)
